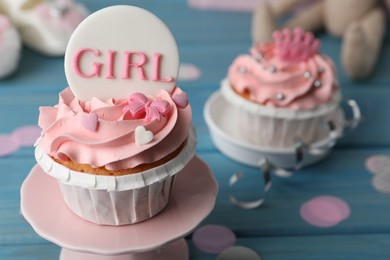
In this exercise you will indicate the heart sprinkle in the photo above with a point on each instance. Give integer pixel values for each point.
(90, 121)
(180, 99)
(142, 136)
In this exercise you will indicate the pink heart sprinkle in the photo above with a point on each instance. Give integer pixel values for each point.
(180, 99)
(90, 121)
(8, 145)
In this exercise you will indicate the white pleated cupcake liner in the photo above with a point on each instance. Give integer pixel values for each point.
(281, 127)
(282, 133)
(118, 200)
(117, 207)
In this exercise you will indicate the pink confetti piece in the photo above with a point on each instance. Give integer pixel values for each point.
(213, 238)
(378, 164)
(240, 6)
(189, 72)
(8, 145)
(26, 135)
(224, 5)
(381, 183)
(238, 252)
(325, 211)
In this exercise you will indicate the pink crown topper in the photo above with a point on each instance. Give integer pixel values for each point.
(140, 106)
(295, 45)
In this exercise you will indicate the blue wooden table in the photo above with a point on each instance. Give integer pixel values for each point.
(211, 40)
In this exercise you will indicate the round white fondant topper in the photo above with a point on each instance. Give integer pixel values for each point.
(120, 50)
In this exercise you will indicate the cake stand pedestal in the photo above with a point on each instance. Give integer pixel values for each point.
(192, 199)
(174, 250)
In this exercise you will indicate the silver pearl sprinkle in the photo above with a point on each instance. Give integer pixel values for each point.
(272, 69)
(280, 96)
(307, 74)
(242, 69)
(317, 83)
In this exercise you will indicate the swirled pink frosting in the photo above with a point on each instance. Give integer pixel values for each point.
(273, 81)
(112, 145)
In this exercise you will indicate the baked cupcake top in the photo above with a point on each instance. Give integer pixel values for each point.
(288, 72)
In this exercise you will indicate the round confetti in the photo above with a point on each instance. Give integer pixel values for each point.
(325, 211)
(188, 72)
(8, 145)
(26, 135)
(213, 238)
(238, 252)
(378, 164)
(381, 183)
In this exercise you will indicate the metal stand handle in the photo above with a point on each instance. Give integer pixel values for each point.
(300, 150)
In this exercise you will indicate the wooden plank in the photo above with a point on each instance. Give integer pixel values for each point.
(342, 174)
(211, 40)
(339, 175)
(348, 247)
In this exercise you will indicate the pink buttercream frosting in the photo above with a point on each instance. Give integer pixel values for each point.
(284, 74)
(112, 143)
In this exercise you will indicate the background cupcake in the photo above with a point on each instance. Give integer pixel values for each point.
(286, 91)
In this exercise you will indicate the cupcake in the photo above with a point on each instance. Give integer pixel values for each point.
(115, 160)
(115, 157)
(286, 91)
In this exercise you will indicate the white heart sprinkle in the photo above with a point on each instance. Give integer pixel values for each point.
(142, 136)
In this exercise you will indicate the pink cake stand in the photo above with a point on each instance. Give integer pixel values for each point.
(192, 199)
